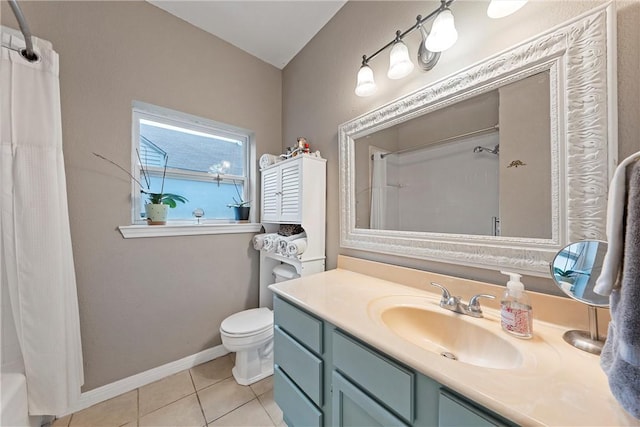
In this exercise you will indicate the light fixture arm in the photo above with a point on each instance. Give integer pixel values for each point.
(400, 35)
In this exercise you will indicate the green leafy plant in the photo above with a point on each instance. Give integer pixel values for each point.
(163, 198)
(239, 202)
(567, 274)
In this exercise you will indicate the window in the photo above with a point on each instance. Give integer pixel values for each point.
(204, 161)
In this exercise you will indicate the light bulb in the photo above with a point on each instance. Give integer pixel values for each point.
(365, 85)
(502, 8)
(443, 32)
(400, 64)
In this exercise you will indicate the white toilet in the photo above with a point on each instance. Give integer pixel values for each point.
(249, 334)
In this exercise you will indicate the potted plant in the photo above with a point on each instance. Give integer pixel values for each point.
(567, 274)
(240, 207)
(158, 204)
(564, 276)
(157, 208)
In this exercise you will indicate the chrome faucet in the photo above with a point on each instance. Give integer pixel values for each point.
(456, 305)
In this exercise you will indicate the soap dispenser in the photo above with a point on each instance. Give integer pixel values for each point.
(515, 308)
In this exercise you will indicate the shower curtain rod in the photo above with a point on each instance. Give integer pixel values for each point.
(451, 138)
(28, 52)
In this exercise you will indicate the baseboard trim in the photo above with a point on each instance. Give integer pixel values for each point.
(124, 385)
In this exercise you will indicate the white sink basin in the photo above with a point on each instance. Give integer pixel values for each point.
(452, 336)
(478, 342)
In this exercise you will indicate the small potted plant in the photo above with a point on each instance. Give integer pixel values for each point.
(568, 277)
(157, 207)
(567, 274)
(240, 207)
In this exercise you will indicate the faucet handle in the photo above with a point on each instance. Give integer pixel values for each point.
(474, 304)
(446, 296)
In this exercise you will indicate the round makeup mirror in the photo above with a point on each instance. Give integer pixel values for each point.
(575, 269)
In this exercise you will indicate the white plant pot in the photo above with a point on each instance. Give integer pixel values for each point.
(566, 286)
(156, 214)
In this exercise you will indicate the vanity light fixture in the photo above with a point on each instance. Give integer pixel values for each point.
(426, 58)
(400, 64)
(442, 36)
(502, 8)
(366, 85)
(443, 32)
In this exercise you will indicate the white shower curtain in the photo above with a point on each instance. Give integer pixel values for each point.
(378, 192)
(36, 255)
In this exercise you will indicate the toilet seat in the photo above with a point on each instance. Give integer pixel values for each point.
(248, 323)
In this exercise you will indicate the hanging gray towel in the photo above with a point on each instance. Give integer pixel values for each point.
(621, 353)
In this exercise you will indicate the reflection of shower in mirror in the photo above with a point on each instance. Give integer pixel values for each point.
(495, 150)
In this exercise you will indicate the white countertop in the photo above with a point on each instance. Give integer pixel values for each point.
(558, 385)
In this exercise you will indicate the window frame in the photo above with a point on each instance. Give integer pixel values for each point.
(167, 116)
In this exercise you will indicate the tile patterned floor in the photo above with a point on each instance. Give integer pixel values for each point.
(206, 395)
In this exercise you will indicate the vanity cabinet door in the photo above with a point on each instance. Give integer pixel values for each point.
(352, 407)
(454, 411)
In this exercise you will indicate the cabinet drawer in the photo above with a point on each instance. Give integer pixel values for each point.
(304, 327)
(454, 412)
(297, 409)
(390, 383)
(302, 366)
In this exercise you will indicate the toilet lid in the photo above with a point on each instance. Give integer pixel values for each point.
(254, 320)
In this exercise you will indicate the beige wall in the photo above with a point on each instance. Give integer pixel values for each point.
(318, 84)
(147, 302)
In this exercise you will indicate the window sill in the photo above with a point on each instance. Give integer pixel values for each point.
(187, 229)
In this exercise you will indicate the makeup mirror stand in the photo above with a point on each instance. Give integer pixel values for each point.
(588, 341)
(575, 269)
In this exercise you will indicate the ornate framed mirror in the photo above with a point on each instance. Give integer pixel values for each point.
(567, 184)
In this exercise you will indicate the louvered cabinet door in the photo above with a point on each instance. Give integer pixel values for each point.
(290, 193)
(271, 195)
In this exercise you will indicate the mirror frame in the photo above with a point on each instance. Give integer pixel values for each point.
(580, 56)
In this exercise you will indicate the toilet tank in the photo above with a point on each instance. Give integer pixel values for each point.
(284, 272)
(277, 272)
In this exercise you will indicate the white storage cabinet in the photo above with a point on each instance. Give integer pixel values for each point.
(294, 192)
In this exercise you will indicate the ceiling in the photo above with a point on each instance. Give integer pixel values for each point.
(274, 31)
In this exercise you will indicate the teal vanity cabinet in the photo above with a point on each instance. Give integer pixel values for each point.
(325, 377)
(299, 366)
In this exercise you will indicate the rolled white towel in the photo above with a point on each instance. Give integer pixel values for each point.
(270, 243)
(268, 159)
(282, 247)
(297, 247)
(258, 241)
